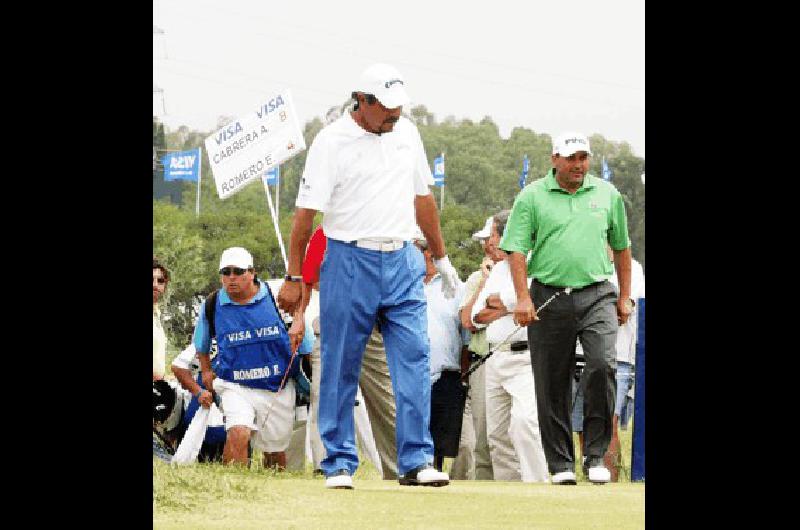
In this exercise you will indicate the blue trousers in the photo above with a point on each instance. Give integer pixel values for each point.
(357, 288)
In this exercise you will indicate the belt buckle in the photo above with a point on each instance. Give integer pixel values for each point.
(390, 246)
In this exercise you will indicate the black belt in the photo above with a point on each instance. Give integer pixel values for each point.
(595, 284)
(519, 346)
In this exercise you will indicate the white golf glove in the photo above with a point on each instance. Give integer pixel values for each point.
(450, 279)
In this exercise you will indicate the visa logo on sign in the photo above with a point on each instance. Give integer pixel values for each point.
(271, 106)
(182, 162)
(228, 132)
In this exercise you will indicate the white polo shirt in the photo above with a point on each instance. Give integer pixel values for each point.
(628, 332)
(500, 282)
(365, 183)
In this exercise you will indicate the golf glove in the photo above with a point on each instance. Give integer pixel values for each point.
(450, 279)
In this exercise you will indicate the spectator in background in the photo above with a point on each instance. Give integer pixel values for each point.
(160, 279)
(478, 464)
(577, 397)
(626, 370)
(449, 359)
(186, 369)
(512, 422)
(625, 374)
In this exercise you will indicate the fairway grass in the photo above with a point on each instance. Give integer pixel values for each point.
(213, 496)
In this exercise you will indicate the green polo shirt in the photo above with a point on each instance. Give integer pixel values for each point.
(567, 232)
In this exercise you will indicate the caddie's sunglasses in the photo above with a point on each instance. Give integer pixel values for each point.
(235, 270)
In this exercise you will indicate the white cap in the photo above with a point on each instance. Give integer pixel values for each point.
(236, 257)
(486, 231)
(385, 83)
(569, 143)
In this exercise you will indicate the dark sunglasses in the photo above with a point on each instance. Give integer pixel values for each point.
(235, 270)
(161, 281)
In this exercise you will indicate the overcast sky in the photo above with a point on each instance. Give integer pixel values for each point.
(546, 65)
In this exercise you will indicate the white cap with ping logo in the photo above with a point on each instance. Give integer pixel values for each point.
(569, 143)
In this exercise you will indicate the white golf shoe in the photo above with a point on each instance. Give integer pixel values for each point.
(426, 475)
(340, 480)
(564, 478)
(599, 475)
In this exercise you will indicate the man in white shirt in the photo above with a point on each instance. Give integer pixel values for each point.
(512, 422)
(626, 370)
(160, 279)
(625, 345)
(449, 359)
(477, 464)
(369, 174)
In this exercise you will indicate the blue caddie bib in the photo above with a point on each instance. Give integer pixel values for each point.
(253, 342)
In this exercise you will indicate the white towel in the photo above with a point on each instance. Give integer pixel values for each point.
(193, 439)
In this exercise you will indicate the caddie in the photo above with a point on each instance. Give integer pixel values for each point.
(252, 373)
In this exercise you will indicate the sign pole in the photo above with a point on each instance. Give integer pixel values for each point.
(277, 229)
(278, 192)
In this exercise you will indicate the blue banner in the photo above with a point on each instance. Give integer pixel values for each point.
(524, 175)
(183, 165)
(438, 170)
(272, 177)
(606, 171)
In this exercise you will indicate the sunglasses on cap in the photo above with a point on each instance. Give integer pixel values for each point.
(235, 270)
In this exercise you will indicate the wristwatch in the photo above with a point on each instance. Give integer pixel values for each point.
(629, 304)
(290, 278)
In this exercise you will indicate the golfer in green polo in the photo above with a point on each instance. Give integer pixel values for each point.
(566, 219)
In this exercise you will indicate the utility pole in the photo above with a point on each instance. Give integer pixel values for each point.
(158, 35)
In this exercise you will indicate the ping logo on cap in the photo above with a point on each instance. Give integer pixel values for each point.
(389, 83)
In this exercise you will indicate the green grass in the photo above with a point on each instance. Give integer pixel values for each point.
(213, 496)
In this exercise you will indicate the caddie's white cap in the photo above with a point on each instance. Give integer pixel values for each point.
(486, 231)
(569, 143)
(385, 83)
(236, 257)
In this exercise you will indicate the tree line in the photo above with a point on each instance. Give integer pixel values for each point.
(482, 173)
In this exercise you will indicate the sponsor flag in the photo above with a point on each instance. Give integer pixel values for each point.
(438, 170)
(606, 171)
(183, 165)
(272, 176)
(524, 175)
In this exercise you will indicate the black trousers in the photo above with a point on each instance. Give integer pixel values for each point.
(590, 315)
(448, 396)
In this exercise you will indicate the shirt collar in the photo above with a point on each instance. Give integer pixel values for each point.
(589, 182)
(354, 129)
